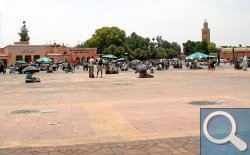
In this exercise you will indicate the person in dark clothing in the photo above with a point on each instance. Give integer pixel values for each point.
(99, 66)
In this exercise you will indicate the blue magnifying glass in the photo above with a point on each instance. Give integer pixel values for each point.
(236, 141)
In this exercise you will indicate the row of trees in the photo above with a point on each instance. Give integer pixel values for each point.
(112, 40)
(191, 47)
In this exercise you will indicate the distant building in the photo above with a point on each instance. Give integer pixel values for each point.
(205, 32)
(30, 53)
(232, 53)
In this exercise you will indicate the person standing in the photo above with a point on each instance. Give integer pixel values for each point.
(2, 68)
(91, 67)
(99, 66)
(245, 64)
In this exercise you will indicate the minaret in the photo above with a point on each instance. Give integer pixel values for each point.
(206, 32)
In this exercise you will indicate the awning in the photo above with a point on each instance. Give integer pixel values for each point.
(4, 55)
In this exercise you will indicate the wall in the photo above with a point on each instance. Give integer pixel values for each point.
(56, 52)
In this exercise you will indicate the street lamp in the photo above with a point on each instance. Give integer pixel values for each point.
(218, 56)
(233, 53)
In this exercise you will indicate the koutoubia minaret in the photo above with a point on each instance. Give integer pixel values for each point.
(206, 32)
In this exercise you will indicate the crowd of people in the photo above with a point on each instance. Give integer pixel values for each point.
(109, 66)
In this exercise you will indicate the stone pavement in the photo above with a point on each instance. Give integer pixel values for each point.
(65, 111)
(170, 146)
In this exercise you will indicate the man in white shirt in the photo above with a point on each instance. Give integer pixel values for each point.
(91, 67)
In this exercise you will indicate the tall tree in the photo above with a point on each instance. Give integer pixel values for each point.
(212, 47)
(24, 36)
(198, 47)
(176, 48)
(205, 47)
(112, 40)
(189, 47)
(135, 41)
(105, 37)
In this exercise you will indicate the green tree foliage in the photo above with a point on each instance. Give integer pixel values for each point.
(198, 47)
(112, 40)
(212, 47)
(161, 54)
(24, 36)
(110, 50)
(117, 51)
(120, 51)
(205, 47)
(135, 41)
(191, 47)
(176, 49)
(105, 37)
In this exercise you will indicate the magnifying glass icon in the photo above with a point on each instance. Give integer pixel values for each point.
(236, 141)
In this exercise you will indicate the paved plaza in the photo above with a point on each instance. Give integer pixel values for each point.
(68, 113)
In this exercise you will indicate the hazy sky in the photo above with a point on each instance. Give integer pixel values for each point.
(70, 21)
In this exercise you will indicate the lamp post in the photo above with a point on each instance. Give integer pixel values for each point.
(126, 55)
(218, 56)
(233, 55)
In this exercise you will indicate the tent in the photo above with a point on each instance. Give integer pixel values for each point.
(109, 56)
(21, 62)
(44, 60)
(197, 55)
(121, 59)
(211, 57)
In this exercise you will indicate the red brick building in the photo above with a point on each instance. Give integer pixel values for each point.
(234, 53)
(29, 53)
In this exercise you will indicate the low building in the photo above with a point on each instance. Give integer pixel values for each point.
(30, 53)
(232, 53)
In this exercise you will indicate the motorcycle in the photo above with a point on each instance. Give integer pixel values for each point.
(69, 68)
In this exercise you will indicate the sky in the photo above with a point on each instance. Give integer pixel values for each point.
(73, 21)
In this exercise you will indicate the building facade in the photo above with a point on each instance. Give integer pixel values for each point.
(30, 53)
(206, 32)
(232, 53)
(22, 50)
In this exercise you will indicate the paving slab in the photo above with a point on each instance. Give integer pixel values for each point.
(71, 109)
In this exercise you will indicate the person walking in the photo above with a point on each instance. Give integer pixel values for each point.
(91, 67)
(99, 66)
